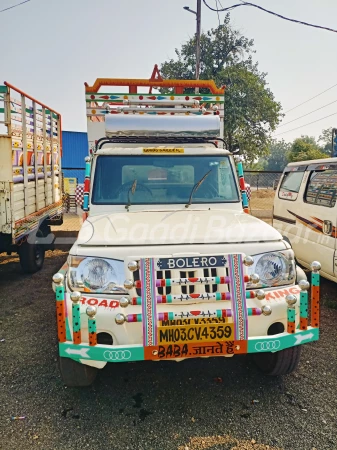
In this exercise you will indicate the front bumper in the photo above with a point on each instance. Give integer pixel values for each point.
(135, 335)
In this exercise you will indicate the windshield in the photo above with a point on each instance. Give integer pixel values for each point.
(162, 180)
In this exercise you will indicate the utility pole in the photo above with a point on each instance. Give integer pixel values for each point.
(198, 34)
(197, 53)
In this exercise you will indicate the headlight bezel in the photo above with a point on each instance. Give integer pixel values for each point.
(289, 277)
(79, 271)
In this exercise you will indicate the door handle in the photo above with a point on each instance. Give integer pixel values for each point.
(327, 227)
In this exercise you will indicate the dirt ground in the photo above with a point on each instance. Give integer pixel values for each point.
(261, 203)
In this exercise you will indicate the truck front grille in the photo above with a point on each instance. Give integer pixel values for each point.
(189, 288)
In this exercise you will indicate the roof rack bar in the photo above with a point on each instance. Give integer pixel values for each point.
(154, 140)
(178, 85)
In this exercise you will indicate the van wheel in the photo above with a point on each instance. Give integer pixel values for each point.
(75, 374)
(32, 254)
(278, 363)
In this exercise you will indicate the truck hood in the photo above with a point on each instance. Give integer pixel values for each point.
(174, 227)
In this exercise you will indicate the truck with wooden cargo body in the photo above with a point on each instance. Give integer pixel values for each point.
(30, 176)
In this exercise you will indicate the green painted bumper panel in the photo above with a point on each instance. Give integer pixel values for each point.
(107, 353)
(122, 353)
(282, 341)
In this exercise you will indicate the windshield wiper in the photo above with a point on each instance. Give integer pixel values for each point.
(196, 187)
(132, 190)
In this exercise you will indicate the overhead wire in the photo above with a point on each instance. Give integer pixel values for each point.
(305, 125)
(304, 115)
(14, 6)
(229, 8)
(297, 106)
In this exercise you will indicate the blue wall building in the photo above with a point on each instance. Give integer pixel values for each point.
(74, 150)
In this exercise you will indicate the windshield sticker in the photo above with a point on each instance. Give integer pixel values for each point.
(288, 194)
(157, 175)
(163, 150)
(224, 186)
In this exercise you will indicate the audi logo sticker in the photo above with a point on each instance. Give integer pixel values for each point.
(117, 355)
(267, 346)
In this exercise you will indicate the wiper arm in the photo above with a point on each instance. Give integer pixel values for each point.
(132, 190)
(196, 187)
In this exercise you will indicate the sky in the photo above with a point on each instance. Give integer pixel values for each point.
(51, 47)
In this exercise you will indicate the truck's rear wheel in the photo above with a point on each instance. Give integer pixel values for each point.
(278, 363)
(32, 254)
(75, 374)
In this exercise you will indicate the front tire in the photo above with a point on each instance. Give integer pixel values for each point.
(283, 362)
(75, 374)
(32, 254)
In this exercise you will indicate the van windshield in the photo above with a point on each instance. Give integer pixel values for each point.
(158, 179)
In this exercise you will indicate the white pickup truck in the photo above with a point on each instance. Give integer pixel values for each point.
(168, 264)
(30, 176)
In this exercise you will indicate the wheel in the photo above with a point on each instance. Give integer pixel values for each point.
(75, 374)
(278, 363)
(32, 254)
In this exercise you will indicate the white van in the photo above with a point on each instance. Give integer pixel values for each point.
(305, 212)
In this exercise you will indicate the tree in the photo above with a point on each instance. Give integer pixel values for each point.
(251, 112)
(305, 148)
(326, 141)
(278, 155)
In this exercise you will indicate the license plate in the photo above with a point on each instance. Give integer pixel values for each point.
(194, 333)
(195, 350)
(202, 321)
(191, 262)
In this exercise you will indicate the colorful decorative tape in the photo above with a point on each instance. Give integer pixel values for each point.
(291, 320)
(60, 312)
(315, 288)
(218, 313)
(92, 331)
(217, 296)
(149, 303)
(187, 281)
(238, 290)
(243, 187)
(304, 310)
(76, 323)
(86, 186)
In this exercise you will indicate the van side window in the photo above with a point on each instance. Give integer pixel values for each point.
(290, 185)
(322, 188)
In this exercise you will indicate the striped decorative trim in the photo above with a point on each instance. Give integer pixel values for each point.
(239, 308)
(284, 219)
(304, 310)
(76, 323)
(243, 187)
(60, 312)
(86, 186)
(315, 294)
(149, 303)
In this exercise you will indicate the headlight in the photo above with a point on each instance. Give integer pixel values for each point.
(97, 275)
(274, 269)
